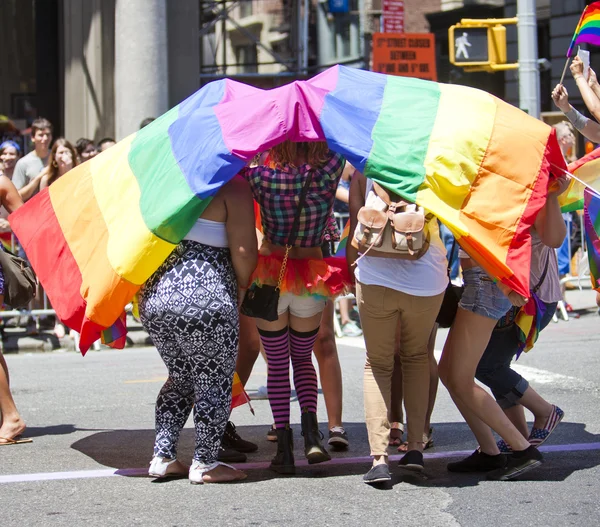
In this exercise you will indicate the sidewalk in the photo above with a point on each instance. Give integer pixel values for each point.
(17, 341)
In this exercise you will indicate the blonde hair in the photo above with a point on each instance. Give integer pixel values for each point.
(563, 128)
(293, 154)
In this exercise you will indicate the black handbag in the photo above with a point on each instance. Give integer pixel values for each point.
(451, 299)
(20, 281)
(261, 301)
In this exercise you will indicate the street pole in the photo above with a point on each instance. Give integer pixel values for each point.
(529, 75)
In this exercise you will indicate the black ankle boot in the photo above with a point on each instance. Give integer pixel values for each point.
(283, 462)
(313, 450)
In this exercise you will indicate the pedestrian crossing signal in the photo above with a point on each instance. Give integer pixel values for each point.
(478, 44)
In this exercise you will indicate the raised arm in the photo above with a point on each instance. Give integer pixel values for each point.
(587, 127)
(590, 99)
(549, 222)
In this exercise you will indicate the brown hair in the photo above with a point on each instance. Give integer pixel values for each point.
(290, 153)
(52, 167)
(40, 124)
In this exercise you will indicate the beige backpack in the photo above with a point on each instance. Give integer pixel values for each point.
(390, 227)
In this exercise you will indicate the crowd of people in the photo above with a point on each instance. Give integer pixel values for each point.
(201, 309)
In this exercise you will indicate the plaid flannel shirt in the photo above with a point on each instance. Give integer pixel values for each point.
(277, 191)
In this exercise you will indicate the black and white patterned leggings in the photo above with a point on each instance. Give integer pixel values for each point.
(189, 308)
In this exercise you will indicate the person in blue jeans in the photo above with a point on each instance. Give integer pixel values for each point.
(482, 304)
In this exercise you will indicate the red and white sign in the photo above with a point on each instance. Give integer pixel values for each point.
(393, 16)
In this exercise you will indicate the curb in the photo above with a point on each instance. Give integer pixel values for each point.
(16, 341)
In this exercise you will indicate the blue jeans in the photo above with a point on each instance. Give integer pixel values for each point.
(448, 240)
(494, 367)
(482, 296)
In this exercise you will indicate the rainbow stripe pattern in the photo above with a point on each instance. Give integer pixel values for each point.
(591, 216)
(588, 28)
(340, 251)
(477, 163)
(586, 169)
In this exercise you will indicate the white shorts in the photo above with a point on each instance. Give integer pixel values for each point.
(300, 306)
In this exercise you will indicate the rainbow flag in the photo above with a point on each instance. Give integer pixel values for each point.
(591, 216)
(341, 248)
(587, 169)
(588, 28)
(238, 394)
(528, 322)
(479, 164)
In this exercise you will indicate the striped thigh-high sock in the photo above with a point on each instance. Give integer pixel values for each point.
(305, 376)
(277, 349)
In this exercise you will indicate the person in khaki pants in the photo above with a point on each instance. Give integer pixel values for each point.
(396, 293)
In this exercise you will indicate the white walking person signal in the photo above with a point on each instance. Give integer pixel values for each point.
(461, 44)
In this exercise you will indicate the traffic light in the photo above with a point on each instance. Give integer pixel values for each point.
(479, 45)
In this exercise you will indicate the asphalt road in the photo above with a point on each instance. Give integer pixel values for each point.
(92, 423)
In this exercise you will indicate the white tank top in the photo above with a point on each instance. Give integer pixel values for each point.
(208, 232)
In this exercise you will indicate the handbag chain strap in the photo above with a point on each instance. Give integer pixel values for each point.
(294, 232)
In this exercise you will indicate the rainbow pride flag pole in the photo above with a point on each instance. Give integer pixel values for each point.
(586, 32)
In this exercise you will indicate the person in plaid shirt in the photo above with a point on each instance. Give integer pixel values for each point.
(308, 281)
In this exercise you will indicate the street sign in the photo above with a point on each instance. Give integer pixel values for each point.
(393, 16)
(405, 55)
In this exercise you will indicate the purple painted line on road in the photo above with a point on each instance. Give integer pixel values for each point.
(129, 472)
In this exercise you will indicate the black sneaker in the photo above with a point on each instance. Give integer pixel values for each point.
(478, 462)
(377, 474)
(272, 434)
(518, 463)
(412, 460)
(231, 439)
(338, 438)
(228, 455)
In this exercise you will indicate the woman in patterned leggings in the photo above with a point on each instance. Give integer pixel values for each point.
(190, 309)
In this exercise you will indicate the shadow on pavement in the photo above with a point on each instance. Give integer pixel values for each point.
(126, 449)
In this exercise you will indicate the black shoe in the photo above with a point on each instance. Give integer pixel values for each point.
(228, 455)
(519, 462)
(313, 450)
(283, 462)
(231, 439)
(412, 460)
(338, 438)
(478, 462)
(377, 474)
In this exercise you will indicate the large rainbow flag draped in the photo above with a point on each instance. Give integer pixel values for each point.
(587, 170)
(588, 28)
(479, 164)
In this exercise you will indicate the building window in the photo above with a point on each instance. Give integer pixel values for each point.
(245, 8)
(247, 58)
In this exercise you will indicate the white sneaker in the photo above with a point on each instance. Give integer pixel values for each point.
(351, 329)
(159, 467)
(261, 393)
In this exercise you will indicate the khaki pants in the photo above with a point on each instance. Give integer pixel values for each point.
(381, 311)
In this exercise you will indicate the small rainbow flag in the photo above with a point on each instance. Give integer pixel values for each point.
(528, 322)
(238, 394)
(586, 169)
(591, 215)
(588, 29)
(341, 248)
